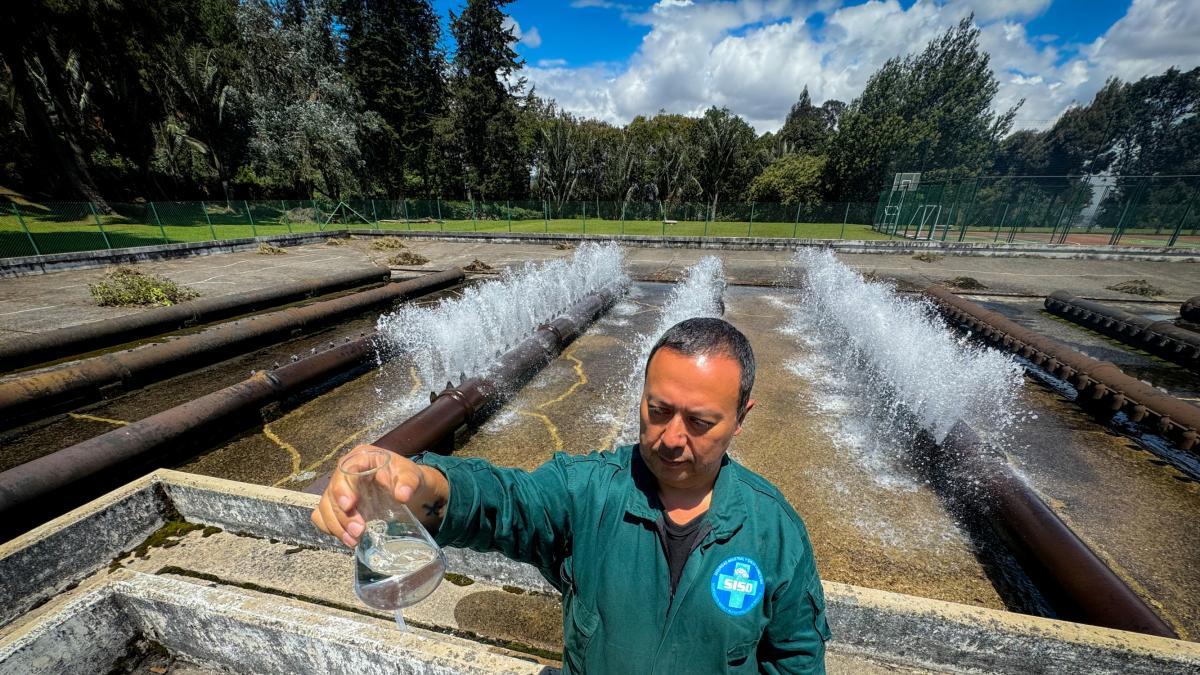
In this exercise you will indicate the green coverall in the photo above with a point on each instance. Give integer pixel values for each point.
(749, 597)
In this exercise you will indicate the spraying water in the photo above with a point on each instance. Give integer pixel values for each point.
(903, 347)
(699, 294)
(463, 336)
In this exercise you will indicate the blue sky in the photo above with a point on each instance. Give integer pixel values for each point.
(614, 59)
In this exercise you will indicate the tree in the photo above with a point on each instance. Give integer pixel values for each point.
(395, 63)
(931, 112)
(791, 179)
(308, 124)
(666, 161)
(725, 143)
(807, 128)
(485, 108)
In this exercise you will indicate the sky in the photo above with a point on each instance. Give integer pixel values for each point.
(616, 59)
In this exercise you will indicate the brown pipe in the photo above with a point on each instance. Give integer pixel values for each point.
(38, 394)
(1190, 309)
(1157, 337)
(1101, 386)
(57, 344)
(119, 451)
(456, 406)
(1078, 583)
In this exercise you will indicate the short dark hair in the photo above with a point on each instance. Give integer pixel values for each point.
(706, 336)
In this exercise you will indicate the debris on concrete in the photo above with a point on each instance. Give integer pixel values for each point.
(268, 249)
(477, 265)
(1137, 287)
(965, 283)
(407, 258)
(387, 244)
(928, 257)
(125, 286)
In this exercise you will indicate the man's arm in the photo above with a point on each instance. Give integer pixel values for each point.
(468, 503)
(794, 641)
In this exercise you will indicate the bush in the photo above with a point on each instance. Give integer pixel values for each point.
(127, 287)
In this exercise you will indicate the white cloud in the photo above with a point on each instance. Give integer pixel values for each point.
(530, 38)
(755, 56)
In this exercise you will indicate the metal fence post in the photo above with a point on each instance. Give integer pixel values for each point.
(750, 227)
(474, 221)
(21, 219)
(96, 217)
(1120, 229)
(250, 217)
(508, 203)
(375, 215)
(845, 217)
(546, 214)
(1001, 225)
(585, 217)
(796, 226)
(213, 232)
(283, 214)
(317, 215)
(158, 222)
(1186, 211)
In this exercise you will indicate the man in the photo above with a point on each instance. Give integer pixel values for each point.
(671, 557)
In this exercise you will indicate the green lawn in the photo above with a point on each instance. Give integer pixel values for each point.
(63, 230)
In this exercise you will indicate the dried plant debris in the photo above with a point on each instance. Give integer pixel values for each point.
(407, 258)
(926, 256)
(387, 244)
(563, 246)
(336, 241)
(965, 283)
(478, 265)
(268, 249)
(127, 287)
(1137, 287)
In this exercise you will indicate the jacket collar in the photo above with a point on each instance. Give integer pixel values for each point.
(725, 514)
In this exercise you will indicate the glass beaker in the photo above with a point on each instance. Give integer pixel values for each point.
(396, 562)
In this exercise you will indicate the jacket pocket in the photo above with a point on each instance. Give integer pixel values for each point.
(741, 657)
(579, 622)
(816, 595)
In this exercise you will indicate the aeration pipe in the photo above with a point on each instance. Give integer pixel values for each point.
(1190, 309)
(1079, 585)
(87, 337)
(455, 406)
(127, 448)
(38, 394)
(1102, 386)
(1163, 338)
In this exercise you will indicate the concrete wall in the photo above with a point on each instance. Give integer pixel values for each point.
(888, 628)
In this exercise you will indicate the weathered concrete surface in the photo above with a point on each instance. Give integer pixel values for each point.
(255, 605)
(44, 302)
(235, 630)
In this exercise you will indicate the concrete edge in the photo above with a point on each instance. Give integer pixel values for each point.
(887, 626)
(229, 628)
(55, 262)
(1145, 254)
(936, 633)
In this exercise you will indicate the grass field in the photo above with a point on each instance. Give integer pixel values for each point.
(62, 231)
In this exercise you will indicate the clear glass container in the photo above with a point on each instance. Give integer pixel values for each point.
(396, 563)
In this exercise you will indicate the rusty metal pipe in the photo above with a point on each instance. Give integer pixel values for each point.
(1102, 387)
(455, 406)
(38, 394)
(121, 451)
(1190, 309)
(1079, 584)
(1162, 338)
(64, 342)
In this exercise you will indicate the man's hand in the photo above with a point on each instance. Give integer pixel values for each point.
(425, 489)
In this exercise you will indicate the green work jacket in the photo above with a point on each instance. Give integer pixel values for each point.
(749, 598)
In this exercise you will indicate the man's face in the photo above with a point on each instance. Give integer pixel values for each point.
(689, 416)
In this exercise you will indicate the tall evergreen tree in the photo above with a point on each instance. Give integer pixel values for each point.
(807, 128)
(393, 58)
(486, 88)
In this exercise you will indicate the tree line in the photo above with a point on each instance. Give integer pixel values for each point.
(117, 100)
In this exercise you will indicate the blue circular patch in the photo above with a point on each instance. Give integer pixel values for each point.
(737, 585)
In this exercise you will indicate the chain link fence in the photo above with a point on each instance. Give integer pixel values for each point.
(1152, 211)
(61, 227)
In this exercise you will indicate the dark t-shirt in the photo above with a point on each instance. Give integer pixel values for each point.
(678, 542)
